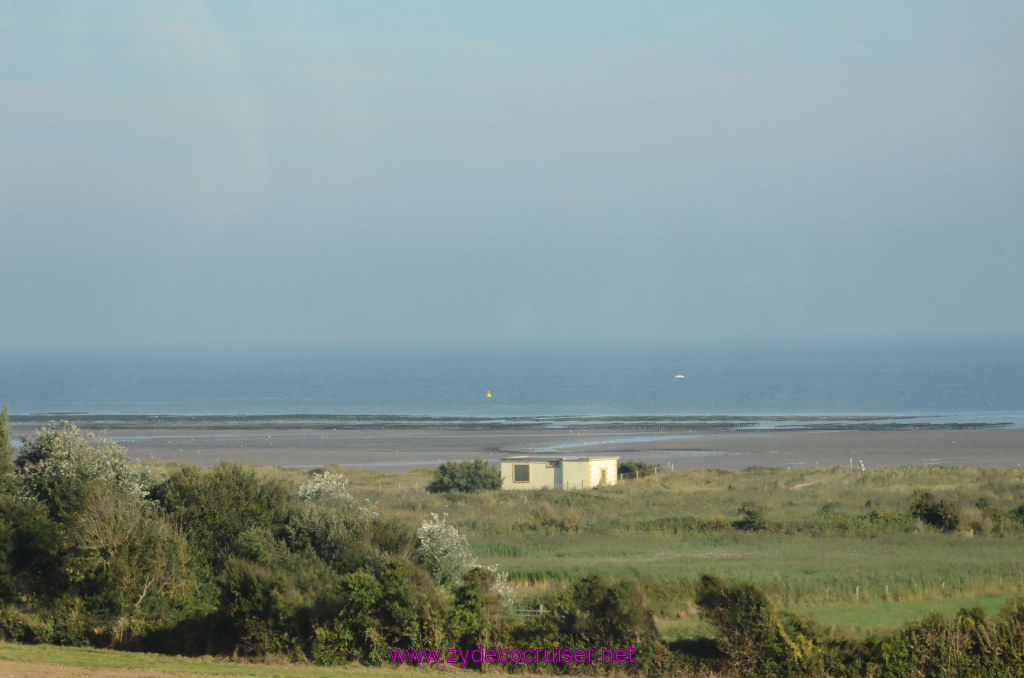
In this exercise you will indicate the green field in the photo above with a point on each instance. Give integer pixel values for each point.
(837, 546)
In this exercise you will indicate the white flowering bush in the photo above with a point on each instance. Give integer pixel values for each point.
(61, 458)
(446, 553)
(444, 550)
(332, 488)
(501, 586)
(325, 486)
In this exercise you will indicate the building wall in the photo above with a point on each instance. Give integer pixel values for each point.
(542, 475)
(576, 475)
(611, 467)
(564, 474)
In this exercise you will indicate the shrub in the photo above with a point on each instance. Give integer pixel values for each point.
(753, 519)
(935, 646)
(889, 519)
(327, 487)
(751, 635)
(344, 539)
(126, 559)
(544, 519)
(938, 513)
(31, 549)
(57, 465)
(638, 469)
(596, 613)
(466, 476)
(214, 507)
(263, 607)
(481, 613)
(391, 606)
(332, 489)
(18, 626)
(444, 551)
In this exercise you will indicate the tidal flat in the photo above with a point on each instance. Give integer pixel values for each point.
(400, 449)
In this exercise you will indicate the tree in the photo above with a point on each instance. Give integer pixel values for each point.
(467, 476)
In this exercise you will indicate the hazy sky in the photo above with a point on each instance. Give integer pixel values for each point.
(333, 172)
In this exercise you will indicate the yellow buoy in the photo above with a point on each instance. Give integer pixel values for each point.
(488, 394)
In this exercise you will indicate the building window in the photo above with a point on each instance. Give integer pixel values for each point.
(604, 476)
(521, 473)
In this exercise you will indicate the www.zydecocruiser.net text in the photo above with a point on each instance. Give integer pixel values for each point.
(480, 655)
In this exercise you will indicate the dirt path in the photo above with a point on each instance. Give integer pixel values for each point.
(9, 669)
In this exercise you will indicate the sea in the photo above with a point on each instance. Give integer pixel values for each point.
(770, 383)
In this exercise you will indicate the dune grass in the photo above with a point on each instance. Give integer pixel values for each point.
(831, 539)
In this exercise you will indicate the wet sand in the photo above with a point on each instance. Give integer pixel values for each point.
(394, 451)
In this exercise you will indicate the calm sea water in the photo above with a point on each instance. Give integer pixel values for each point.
(979, 382)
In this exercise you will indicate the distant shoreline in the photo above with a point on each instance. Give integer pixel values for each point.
(473, 423)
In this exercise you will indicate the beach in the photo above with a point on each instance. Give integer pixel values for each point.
(399, 450)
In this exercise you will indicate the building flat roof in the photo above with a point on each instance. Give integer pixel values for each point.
(551, 457)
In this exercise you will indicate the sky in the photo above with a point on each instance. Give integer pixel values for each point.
(335, 173)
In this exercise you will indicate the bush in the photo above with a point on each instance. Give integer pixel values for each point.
(344, 539)
(214, 507)
(263, 608)
(126, 559)
(56, 466)
(391, 606)
(935, 512)
(596, 613)
(31, 549)
(326, 487)
(638, 469)
(466, 476)
(481, 613)
(444, 551)
(750, 634)
(753, 519)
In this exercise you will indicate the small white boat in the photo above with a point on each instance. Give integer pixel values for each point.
(680, 376)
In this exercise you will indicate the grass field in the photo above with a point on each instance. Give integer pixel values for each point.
(840, 547)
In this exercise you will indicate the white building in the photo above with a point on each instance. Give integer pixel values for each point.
(537, 472)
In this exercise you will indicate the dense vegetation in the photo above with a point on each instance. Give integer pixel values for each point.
(98, 550)
(465, 476)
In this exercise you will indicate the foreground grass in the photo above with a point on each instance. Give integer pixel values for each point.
(145, 662)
